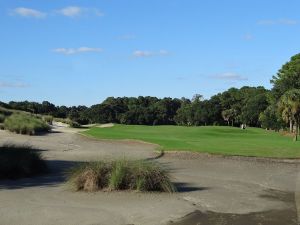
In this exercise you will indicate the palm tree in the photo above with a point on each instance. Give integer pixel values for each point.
(229, 115)
(289, 108)
(226, 115)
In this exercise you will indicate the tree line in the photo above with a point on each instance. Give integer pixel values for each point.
(255, 106)
(231, 107)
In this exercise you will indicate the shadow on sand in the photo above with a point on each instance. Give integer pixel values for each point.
(55, 176)
(186, 187)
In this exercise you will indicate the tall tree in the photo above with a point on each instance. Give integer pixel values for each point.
(229, 115)
(287, 78)
(289, 107)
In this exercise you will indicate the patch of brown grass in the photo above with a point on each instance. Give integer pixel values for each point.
(120, 175)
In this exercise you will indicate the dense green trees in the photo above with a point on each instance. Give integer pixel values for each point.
(243, 105)
(287, 78)
(197, 112)
(240, 103)
(270, 119)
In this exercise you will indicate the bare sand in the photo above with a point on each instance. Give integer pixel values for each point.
(230, 190)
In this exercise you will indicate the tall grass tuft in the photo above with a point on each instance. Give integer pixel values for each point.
(74, 124)
(120, 175)
(71, 123)
(48, 119)
(150, 176)
(25, 124)
(20, 161)
(90, 176)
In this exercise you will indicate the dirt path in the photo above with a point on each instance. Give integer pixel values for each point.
(209, 187)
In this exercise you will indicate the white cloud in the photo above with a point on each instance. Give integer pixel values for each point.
(72, 51)
(12, 85)
(75, 11)
(127, 37)
(140, 53)
(248, 37)
(163, 52)
(27, 12)
(230, 76)
(278, 22)
(96, 12)
(70, 11)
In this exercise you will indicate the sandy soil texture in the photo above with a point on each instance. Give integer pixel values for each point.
(230, 190)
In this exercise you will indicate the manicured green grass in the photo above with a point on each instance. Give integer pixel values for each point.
(210, 139)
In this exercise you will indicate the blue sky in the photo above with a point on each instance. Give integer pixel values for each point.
(80, 52)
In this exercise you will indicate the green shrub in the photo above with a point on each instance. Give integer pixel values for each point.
(68, 121)
(60, 120)
(48, 119)
(2, 118)
(25, 124)
(5, 112)
(20, 161)
(120, 175)
(74, 124)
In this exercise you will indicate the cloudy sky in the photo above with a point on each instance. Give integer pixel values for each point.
(80, 52)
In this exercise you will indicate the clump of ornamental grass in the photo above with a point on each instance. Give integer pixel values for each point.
(60, 120)
(20, 161)
(22, 123)
(137, 175)
(74, 124)
(71, 123)
(48, 119)
(89, 176)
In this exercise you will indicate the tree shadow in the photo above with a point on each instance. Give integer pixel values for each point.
(55, 132)
(46, 133)
(55, 176)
